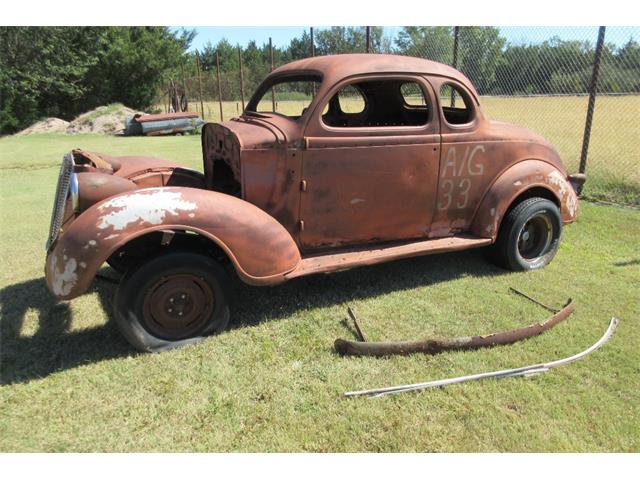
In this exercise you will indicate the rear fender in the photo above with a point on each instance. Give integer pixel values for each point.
(260, 249)
(515, 181)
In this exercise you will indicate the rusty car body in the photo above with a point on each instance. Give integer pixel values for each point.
(400, 171)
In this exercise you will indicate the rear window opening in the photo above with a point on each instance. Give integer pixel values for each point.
(378, 103)
(456, 107)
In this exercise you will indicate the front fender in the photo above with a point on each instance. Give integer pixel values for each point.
(261, 250)
(515, 181)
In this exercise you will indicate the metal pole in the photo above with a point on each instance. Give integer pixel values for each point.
(184, 87)
(313, 48)
(456, 38)
(368, 30)
(273, 90)
(219, 85)
(241, 77)
(593, 90)
(199, 85)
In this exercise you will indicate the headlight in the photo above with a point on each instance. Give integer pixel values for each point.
(74, 192)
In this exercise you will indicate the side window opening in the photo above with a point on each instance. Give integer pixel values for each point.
(455, 105)
(377, 103)
(351, 100)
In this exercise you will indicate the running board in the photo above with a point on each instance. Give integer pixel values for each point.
(356, 257)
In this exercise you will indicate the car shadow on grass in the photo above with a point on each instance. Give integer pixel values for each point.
(53, 347)
(253, 305)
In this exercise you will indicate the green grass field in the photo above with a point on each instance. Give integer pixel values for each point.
(613, 167)
(273, 383)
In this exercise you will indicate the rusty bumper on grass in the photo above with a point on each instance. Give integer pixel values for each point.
(432, 346)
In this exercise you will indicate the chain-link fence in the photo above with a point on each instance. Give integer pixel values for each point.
(537, 77)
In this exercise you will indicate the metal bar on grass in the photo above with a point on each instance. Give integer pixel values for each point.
(432, 346)
(513, 372)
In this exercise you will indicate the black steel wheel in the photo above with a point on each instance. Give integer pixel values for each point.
(529, 236)
(172, 300)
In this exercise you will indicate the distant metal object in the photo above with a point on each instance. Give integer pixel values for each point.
(514, 372)
(431, 346)
(162, 124)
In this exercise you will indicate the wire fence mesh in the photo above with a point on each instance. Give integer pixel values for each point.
(535, 77)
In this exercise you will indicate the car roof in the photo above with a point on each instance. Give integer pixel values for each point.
(336, 67)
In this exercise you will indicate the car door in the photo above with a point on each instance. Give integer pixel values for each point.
(370, 164)
(467, 162)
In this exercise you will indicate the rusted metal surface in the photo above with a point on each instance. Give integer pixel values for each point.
(315, 196)
(164, 116)
(527, 371)
(260, 249)
(432, 346)
(178, 306)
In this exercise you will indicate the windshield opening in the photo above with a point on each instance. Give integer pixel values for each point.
(289, 96)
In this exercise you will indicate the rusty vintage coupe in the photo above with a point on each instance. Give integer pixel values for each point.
(336, 162)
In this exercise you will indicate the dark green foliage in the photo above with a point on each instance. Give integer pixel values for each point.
(63, 71)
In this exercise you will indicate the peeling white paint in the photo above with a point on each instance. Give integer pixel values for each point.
(517, 183)
(191, 215)
(83, 265)
(357, 200)
(143, 208)
(63, 281)
(572, 203)
(113, 235)
(554, 178)
(492, 212)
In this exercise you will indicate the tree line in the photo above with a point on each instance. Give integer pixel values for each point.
(495, 66)
(63, 71)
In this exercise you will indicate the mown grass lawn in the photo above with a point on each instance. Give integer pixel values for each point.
(273, 383)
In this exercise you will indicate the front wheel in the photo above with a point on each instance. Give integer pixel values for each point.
(172, 300)
(529, 236)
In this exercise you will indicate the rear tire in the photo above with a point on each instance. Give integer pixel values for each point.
(529, 236)
(172, 300)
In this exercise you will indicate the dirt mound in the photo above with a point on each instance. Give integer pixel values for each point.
(48, 125)
(108, 119)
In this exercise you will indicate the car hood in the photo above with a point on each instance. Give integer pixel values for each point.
(259, 131)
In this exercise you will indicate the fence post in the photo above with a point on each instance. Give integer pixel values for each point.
(454, 64)
(199, 84)
(593, 91)
(241, 77)
(273, 90)
(368, 33)
(184, 88)
(219, 84)
(313, 48)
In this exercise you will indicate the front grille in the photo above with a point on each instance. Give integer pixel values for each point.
(62, 191)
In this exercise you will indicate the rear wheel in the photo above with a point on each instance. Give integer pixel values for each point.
(172, 300)
(529, 236)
